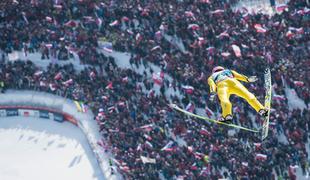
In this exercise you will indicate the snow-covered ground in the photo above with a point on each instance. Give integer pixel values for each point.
(33, 149)
(258, 5)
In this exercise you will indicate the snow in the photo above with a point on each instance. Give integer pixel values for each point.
(36, 59)
(85, 120)
(294, 101)
(33, 148)
(122, 61)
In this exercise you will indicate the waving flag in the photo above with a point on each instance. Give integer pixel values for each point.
(68, 82)
(188, 89)
(146, 160)
(158, 78)
(71, 23)
(209, 112)
(58, 76)
(299, 83)
(114, 23)
(109, 86)
(193, 26)
(237, 50)
(218, 11)
(169, 147)
(223, 34)
(281, 7)
(260, 157)
(225, 54)
(205, 132)
(147, 128)
(190, 107)
(259, 28)
(107, 46)
(278, 97)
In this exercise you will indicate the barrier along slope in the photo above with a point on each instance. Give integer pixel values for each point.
(48, 106)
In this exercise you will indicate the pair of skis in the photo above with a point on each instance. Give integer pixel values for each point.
(263, 130)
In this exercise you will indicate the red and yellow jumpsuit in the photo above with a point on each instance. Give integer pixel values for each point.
(226, 83)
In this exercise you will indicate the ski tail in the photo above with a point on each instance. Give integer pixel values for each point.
(174, 106)
(268, 95)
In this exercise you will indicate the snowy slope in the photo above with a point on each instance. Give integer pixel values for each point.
(33, 149)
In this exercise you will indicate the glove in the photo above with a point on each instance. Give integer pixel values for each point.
(252, 79)
(212, 96)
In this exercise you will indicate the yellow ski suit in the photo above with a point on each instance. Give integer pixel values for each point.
(226, 83)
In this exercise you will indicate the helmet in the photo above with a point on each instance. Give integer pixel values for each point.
(217, 68)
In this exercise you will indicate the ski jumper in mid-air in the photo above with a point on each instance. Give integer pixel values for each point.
(225, 82)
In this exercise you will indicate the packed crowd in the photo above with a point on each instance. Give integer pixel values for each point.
(138, 123)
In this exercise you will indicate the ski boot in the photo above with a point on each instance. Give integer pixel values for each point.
(227, 119)
(263, 112)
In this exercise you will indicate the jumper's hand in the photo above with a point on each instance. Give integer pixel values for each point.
(252, 79)
(212, 96)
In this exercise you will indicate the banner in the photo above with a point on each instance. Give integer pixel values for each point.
(11, 112)
(58, 117)
(44, 114)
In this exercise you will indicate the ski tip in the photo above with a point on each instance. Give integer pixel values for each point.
(172, 105)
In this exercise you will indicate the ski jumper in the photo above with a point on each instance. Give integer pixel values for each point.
(226, 83)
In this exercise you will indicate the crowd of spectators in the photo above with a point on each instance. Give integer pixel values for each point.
(135, 121)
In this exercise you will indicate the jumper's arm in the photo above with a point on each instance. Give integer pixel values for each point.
(212, 85)
(240, 76)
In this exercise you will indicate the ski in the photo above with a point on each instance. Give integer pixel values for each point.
(174, 106)
(265, 127)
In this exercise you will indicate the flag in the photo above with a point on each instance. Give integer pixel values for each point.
(114, 23)
(217, 12)
(296, 30)
(190, 107)
(107, 46)
(225, 54)
(99, 22)
(71, 23)
(125, 79)
(38, 73)
(189, 14)
(110, 85)
(147, 128)
(80, 106)
(157, 78)
(58, 7)
(211, 50)
(278, 97)
(259, 28)
(237, 50)
(169, 147)
(193, 26)
(188, 89)
(155, 48)
(281, 7)
(246, 164)
(299, 83)
(205, 132)
(209, 112)
(111, 109)
(25, 17)
(125, 18)
(49, 19)
(260, 157)
(58, 76)
(289, 34)
(148, 144)
(138, 38)
(223, 34)
(158, 35)
(146, 160)
(52, 86)
(68, 82)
